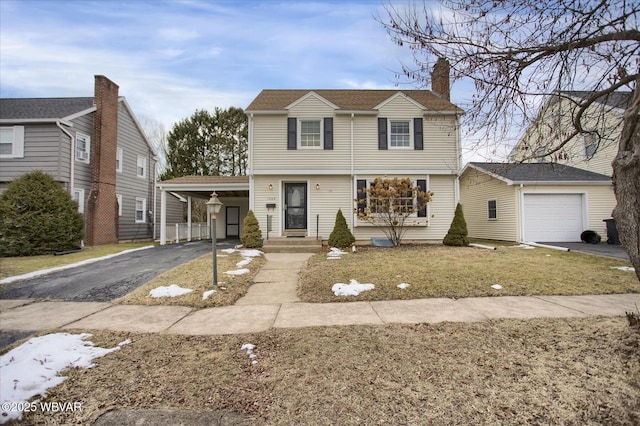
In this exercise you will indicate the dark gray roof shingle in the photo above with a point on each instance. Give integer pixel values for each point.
(42, 108)
(541, 172)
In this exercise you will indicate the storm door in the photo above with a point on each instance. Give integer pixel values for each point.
(295, 206)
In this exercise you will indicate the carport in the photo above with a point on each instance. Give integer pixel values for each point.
(233, 191)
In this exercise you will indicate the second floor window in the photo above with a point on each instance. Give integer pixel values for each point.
(310, 134)
(399, 133)
(141, 169)
(83, 146)
(119, 156)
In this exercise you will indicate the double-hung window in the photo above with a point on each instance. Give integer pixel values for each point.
(492, 209)
(141, 168)
(119, 157)
(12, 142)
(141, 206)
(83, 147)
(399, 133)
(310, 133)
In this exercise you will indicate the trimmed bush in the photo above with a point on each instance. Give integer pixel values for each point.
(341, 237)
(251, 234)
(457, 235)
(38, 217)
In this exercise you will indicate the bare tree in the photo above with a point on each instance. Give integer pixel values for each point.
(519, 51)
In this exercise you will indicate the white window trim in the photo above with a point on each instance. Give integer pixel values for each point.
(119, 158)
(411, 136)
(413, 219)
(85, 155)
(119, 199)
(144, 210)
(299, 133)
(17, 144)
(144, 171)
(78, 196)
(488, 209)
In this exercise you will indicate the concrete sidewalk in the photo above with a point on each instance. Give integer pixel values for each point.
(272, 303)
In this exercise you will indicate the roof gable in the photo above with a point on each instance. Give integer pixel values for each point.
(310, 95)
(349, 100)
(540, 173)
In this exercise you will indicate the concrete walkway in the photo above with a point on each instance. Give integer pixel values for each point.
(272, 303)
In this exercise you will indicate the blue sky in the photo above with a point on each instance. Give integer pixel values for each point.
(173, 57)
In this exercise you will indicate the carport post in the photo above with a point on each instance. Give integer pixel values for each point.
(163, 217)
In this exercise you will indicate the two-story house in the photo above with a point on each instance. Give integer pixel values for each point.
(549, 198)
(311, 152)
(95, 147)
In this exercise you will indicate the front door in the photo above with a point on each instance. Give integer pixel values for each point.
(295, 206)
(233, 222)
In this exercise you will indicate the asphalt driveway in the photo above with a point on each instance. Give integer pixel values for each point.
(108, 279)
(601, 249)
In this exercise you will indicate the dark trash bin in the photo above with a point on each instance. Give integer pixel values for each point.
(612, 232)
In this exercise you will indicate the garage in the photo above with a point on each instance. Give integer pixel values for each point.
(553, 217)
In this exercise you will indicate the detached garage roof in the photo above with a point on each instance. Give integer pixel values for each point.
(539, 173)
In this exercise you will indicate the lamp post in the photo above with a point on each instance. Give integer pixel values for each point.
(213, 208)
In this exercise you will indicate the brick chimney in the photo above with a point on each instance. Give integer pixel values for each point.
(440, 79)
(102, 214)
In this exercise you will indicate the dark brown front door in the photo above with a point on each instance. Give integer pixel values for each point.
(296, 206)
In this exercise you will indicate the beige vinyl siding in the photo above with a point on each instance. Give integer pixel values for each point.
(600, 201)
(475, 190)
(322, 204)
(46, 149)
(439, 135)
(270, 151)
(128, 184)
(440, 212)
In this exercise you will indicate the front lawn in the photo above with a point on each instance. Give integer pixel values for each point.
(455, 272)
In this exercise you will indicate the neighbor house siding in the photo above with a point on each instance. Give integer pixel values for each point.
(128, 184)
(43, 150)
(82, 170)
(475, 190)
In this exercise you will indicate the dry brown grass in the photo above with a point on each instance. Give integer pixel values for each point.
(440, 271)
(197, 275)
(564, 371)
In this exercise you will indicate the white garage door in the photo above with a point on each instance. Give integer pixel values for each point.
(552, 217)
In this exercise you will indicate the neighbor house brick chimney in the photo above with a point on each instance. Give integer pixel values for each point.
(102, 214)
(440, 79)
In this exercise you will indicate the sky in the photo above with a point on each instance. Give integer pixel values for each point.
(171, 58)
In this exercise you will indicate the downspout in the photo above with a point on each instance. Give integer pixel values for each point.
(155, 197)
(71, 159)
(352, 173)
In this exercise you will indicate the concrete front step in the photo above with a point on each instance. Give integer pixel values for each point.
(292, 244)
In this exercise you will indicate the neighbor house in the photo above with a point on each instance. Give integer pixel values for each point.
(95, 148)
(312, 152)
(534, 202)
(551, 198)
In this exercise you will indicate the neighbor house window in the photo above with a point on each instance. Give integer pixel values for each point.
(399, 133)
(78, 196)
(591, 142)
(119, 199)
(310, 133)
(119, 155)
(492, 209)
(141, 169)
(12, 142)
(83, 147)
(141, 206)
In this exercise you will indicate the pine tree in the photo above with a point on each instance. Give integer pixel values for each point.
(251, 234)
(341, 237)
(457, 235)
(38, 217)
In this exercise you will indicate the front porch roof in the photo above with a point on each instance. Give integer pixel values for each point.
(203, 186)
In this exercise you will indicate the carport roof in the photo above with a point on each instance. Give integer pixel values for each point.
(192, 185)
(540, 173)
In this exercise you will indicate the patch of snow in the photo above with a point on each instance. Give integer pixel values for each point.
(624, 268)
(72, 265)
(496, 287)
(548, 255)
(249, 348)
(228, 251)
(171, 291)
(207, 293)
(333, 257)
(336, 252)
(250, 253)
(354, 288)
(244, 262)
(238, 272)
(32, 368)
(402, 286)
(524, 246)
